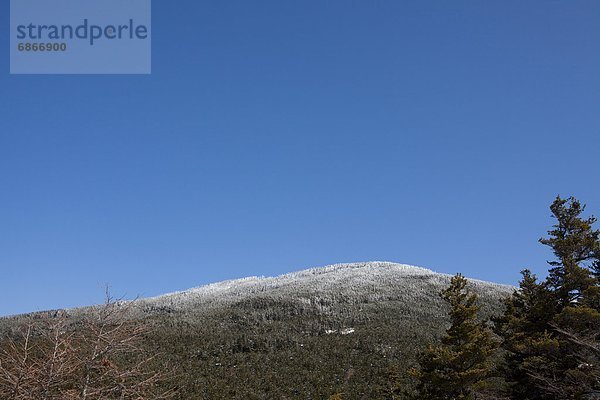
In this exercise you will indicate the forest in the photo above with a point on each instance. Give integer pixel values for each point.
(350, 331)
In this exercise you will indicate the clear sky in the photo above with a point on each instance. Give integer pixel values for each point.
(274, 136)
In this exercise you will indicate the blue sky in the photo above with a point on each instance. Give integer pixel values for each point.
(274, 136)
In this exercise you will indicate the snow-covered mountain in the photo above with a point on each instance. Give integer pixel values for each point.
(303, 335)
(366, 282)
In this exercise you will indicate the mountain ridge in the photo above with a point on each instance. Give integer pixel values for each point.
(371, 275)
(253, 284)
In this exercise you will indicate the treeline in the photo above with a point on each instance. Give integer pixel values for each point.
(546, 345)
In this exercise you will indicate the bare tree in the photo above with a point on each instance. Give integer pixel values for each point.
(98, 356)
(16, 367)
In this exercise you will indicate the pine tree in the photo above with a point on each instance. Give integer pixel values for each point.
(454, 368)
(524, 328)
(551, 329)
(576, 289)
(576, 246)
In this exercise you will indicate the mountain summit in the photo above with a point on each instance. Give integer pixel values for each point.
(364, 282)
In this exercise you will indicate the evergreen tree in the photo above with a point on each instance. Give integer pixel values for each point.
(576, 246)
(454, 368)
(551, 329)
(576, 289)
(526, 338)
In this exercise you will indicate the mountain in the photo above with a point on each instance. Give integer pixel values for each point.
(303, 335)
